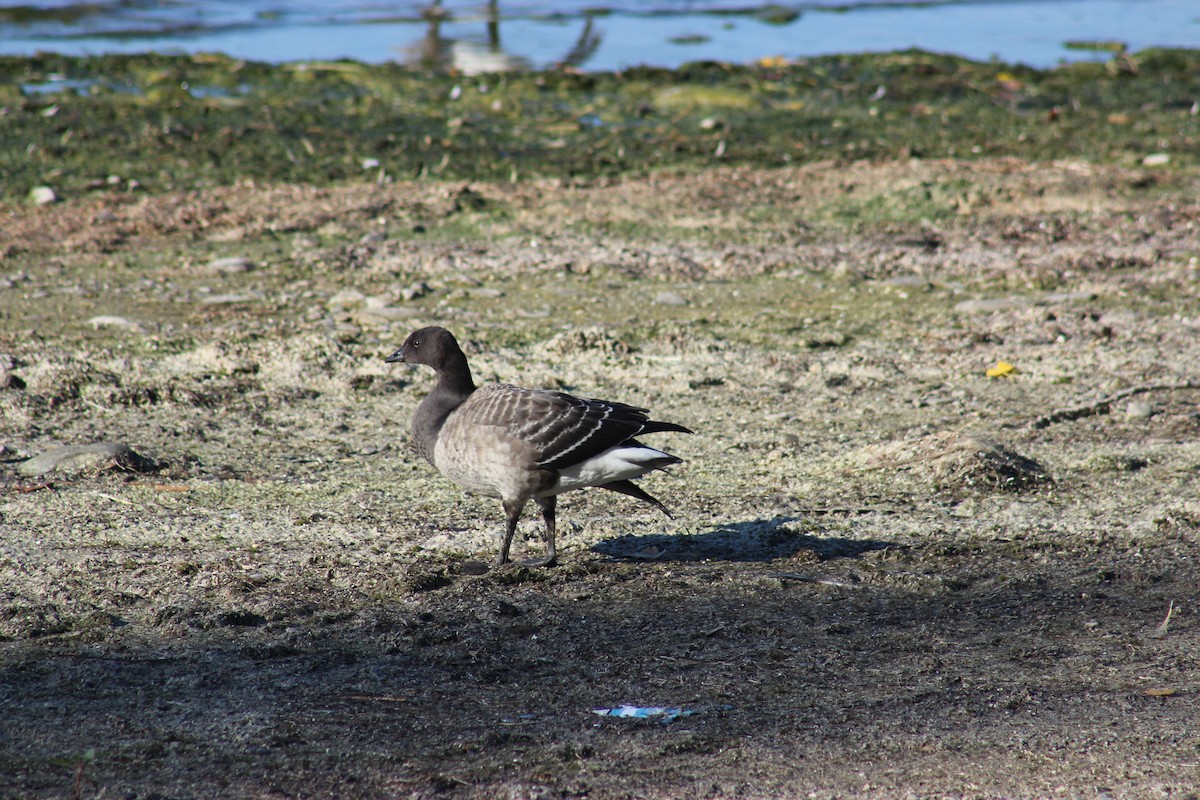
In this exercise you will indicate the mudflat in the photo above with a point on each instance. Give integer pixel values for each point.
(937, 534)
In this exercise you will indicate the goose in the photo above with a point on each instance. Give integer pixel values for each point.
(521, 444)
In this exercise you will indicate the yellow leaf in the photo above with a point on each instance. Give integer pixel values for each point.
(1009, 83)
(1160, 692)
(1003, 369)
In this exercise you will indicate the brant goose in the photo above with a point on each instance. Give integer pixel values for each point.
(525, 444)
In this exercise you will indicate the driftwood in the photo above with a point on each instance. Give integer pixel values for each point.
(1105, 404)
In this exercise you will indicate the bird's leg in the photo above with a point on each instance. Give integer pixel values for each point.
(512, 513)
(547, 505)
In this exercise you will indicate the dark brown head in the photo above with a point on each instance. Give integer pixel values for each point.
(434, 347)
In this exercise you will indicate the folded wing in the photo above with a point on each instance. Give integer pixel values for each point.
(565, 430)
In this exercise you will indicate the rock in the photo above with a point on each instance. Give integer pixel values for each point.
(375, 301)
(8, 380)
(87, 457)
(908, 281)
(15, 451)
(418, 289)
(846, 271)
(226, 299)
(670, 299)
(1021, 301)
(374, 314)
(346, 299)
(583, 340)
(1139, 409)
(375, 309)
(42, 196)
(1055, 298)
(227, 266)
(1106, 462)
(237, 233)
(820, 341)
(114, 322)
(991, 304)
(1156, 160)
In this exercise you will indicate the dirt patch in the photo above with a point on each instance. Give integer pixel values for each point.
(956, 462)
(890, 574)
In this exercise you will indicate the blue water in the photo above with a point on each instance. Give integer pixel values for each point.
(627, 33)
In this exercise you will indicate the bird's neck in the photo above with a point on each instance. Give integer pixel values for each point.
(454, 379)
(454, 386)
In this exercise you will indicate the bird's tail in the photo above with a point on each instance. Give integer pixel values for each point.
(654, 426)
(633, 490)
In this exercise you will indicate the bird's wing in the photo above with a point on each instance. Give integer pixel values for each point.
(562, 428)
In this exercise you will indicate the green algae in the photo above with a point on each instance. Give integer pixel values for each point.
(172, 123)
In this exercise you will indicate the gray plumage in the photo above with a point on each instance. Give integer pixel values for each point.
(526, 444)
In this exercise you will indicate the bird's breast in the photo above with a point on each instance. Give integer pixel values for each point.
(486, 459)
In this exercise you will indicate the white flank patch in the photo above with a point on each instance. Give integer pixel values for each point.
(614, 464)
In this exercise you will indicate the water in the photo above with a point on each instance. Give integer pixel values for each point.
(625, 33)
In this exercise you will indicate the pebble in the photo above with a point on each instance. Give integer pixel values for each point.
(670, 299)
(1022, 301)
(992, 304)
(372, 314)
(114, 322)
(347, 298)
(823, 340)
(227, 299)
(42, 196)
(1054, 298)
(12, 451)
(377, 307)
(1139, 409)
(1156, 160)
(908, 281)
(235, 234)
(227, 266)
(848, 272)
(9, 381)
(414, 291)
(83, 457)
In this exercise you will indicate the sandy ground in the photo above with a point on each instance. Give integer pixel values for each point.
(889, 574)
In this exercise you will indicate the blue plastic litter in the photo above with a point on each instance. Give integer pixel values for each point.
(656, 713)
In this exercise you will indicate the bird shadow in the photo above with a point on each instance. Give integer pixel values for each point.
(750, 540)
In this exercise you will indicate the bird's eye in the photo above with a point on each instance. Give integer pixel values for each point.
(416, 343)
